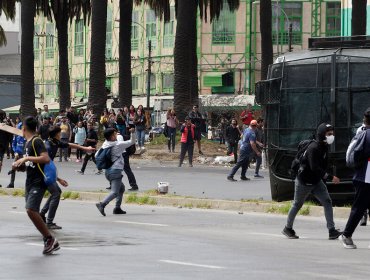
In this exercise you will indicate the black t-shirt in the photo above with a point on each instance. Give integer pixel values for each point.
(34, 175)
(44, 131)
(92, 135)
(53, 145)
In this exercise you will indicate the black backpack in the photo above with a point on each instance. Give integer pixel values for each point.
(132, 149)
(104, 159)
(297, 161)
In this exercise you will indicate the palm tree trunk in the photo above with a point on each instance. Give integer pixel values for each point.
(266, 36)
(64, 79)
(359, 17)
(125, 75)
(97, 91)
(185, 58)
(28, 9)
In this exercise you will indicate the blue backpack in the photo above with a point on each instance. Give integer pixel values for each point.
(104, 159)
(49, 172)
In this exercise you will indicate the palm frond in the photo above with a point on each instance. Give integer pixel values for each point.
(213, 8)
(2, 37)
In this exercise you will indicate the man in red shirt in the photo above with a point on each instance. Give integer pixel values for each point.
(247, 116)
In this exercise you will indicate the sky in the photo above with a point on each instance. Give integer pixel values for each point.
(9, 25)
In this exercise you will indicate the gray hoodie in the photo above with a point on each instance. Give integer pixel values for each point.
(119, 147)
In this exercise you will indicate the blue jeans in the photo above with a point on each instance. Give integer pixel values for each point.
(258, 163)
(320, 191)
(122, 129)
(171, 138)
(114, 176)
(140, 134)
(242, 162)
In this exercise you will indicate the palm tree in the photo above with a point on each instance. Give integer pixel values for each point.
(97, 91)
(185, 57)
(359, 17)
(63, 11)
(8, 8)
(266, 36)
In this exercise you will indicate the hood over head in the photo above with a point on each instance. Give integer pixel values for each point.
(321, 131)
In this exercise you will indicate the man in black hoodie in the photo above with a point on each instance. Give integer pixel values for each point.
(310, 180)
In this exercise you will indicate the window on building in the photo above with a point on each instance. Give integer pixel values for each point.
(37, 90)
(333, 22)
(151, 28)
(135, 83)
(36, 42)
(223, 28)
(49, 41)
(168, 80)
(79, 37)
(49, 89)
(108, 46)
(79, 87)
(168, 32)
(153, 82)
(282, 16)
(135, 31)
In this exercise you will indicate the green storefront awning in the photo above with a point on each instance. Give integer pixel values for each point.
(213, 79)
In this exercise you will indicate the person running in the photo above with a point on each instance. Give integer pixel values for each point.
(18, 148)
(187, 141)
(310, 180)
(114, 173)
(36, 156)
(361, 182)
(51, 205)
(247, 147)
(92, 141)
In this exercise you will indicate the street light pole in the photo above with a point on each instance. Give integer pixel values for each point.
(149, 74)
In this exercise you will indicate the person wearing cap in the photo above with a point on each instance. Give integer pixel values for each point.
(187, 141)
(361, 182)
(248, 145)
(310, 180)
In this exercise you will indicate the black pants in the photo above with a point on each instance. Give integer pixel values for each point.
(86, 160)
(79, 153)
(171, 138)
(12, 174)
(360, 204)
(233, 148)
(127, 168)
(52, 203)
(189, 148)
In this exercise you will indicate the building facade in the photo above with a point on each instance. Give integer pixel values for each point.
(347, 17)
(228, 48)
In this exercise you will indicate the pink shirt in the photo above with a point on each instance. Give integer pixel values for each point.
(171, 121)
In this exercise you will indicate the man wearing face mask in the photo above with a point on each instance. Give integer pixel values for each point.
(310, 180)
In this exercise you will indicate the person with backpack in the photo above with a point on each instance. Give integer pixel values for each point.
(18, 148)
(110, 158)
(310, 180)
(51, 206)
(361, 182)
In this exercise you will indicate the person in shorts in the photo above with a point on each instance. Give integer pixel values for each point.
(35, 157)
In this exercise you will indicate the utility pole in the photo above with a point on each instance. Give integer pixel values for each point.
(290, 37)
(149, 74)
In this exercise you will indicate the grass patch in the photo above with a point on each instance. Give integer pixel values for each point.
(2, 192)
(158, 140)
(151, 192)
(133, 198)
(46, 194)
(250, 200)
(279, 209)
(188, 205)
(204, 205)
(70, 195)
(19, 192)
(311, 203)
(305, 210)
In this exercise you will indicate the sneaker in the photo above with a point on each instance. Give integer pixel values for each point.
(258, 176)
(244, 178)
(334, 234)
(80, 172)
(99, 172)
(347, 242)
(133, 189)
(77, 160)
(118, 211)
(231, 178)
(100, 208)
(109, 188)
(10, 186)
(290, 233)
(53, 226)
(50, 245)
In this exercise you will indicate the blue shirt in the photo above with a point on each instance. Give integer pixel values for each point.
(248, 136)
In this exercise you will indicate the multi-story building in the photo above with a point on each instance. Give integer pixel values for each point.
(229, 45)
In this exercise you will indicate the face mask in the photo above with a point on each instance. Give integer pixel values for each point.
(330, 139)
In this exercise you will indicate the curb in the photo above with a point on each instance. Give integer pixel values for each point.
(202, 203)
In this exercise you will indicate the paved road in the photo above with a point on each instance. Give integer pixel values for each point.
(169, 243)
(200, 181)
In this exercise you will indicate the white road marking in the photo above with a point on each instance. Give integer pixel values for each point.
(192, 264)
(17, 212)
(141, 224)
(64, 248)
